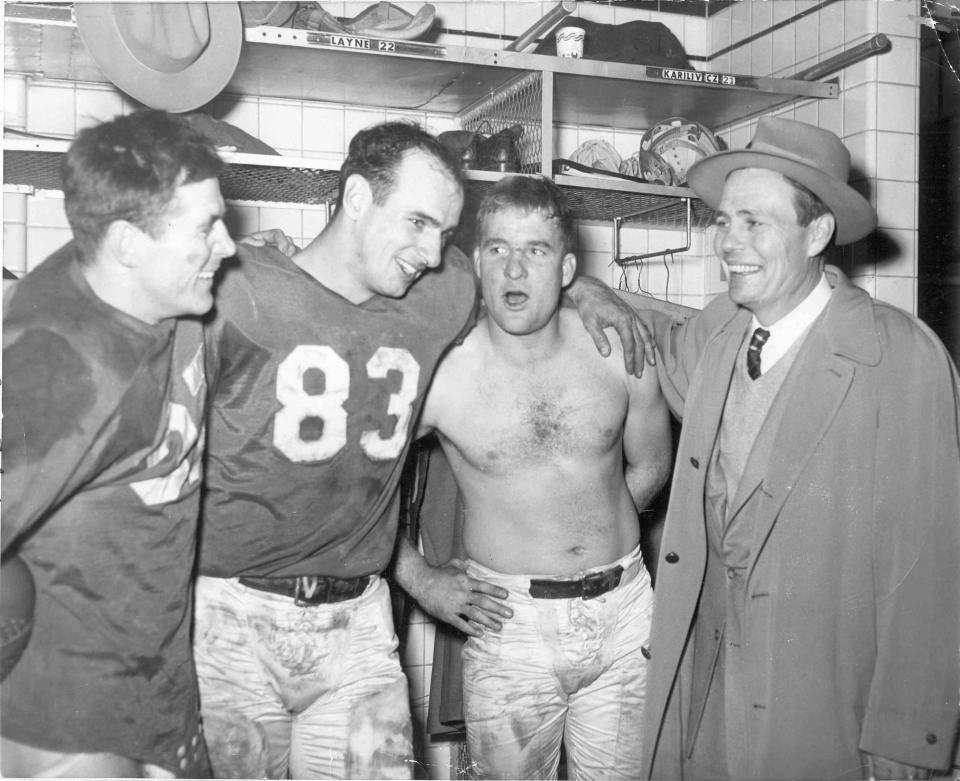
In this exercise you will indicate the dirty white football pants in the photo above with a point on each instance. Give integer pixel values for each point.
(314, 691)
(571, 670)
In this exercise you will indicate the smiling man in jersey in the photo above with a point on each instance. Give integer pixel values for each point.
(555, 451)
(104, 397)
(319, 367)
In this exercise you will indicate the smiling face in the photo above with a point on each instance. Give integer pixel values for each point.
(523, 268)
(404, 236)
(772, 261)
(175, 268)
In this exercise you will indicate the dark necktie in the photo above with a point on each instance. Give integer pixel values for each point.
(757, 341)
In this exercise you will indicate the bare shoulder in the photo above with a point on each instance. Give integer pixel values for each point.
(611, 365)
(458, 375)
(461, 361)
(577, 338)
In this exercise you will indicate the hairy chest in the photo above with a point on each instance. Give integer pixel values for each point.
(506, 424)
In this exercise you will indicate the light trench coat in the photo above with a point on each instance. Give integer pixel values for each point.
(851, 612)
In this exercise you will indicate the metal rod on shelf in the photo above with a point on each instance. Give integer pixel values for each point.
(632, 260)
(875, 45)
(548, 20)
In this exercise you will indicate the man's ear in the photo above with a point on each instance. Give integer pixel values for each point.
(569, 267)
(819, 232)
(123, 243)
(357, 196)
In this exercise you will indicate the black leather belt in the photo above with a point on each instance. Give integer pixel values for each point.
(588, 587)
(311, 589)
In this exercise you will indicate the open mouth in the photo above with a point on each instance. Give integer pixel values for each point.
(741, 268)
(207, 276)
(515, 298)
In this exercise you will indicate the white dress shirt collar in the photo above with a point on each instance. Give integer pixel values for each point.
(785, 332)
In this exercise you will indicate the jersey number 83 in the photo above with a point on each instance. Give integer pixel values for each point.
(298, 405)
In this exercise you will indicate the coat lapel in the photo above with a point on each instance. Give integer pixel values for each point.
(813, 392)
(793, 424)
(816, 387)
(715, 375)
(673, 618)
(708, 391)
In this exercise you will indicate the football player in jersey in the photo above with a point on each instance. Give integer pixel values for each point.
(319, 366)
(104, 399)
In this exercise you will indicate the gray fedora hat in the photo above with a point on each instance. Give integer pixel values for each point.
(173, 56)
(815, 158)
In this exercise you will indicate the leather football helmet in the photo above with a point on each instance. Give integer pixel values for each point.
(680, 142)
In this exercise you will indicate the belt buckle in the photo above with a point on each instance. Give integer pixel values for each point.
(599, 583)
(307, 591)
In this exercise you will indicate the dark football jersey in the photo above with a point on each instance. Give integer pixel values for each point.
(103, 438)
(314, 401)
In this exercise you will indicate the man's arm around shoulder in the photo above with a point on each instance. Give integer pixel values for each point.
(681, 335)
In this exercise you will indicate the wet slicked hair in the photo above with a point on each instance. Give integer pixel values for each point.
(377, 152)
(530, 194)
(129, 169)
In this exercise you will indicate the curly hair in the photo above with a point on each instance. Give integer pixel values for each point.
(129, 169)
(530, 194)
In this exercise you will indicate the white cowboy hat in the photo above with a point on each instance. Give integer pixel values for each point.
(815, 158)
(173, 56)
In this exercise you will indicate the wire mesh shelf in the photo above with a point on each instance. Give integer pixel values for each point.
(272, 182)
(516, 104)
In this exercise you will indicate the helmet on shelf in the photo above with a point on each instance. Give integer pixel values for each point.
(680, 142)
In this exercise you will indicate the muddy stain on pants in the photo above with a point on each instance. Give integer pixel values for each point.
(301, 691)
(561, 670)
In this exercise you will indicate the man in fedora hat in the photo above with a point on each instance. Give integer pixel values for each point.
(807, 607)
(104, 404)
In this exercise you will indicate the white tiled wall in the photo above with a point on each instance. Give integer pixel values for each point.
(876, 115)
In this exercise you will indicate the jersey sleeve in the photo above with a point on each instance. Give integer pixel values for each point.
(234, 302)
(465, 293)
(50, 398)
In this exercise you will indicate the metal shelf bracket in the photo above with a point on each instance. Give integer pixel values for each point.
(633, 260)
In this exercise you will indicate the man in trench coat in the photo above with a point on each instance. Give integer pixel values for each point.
(807, 607)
